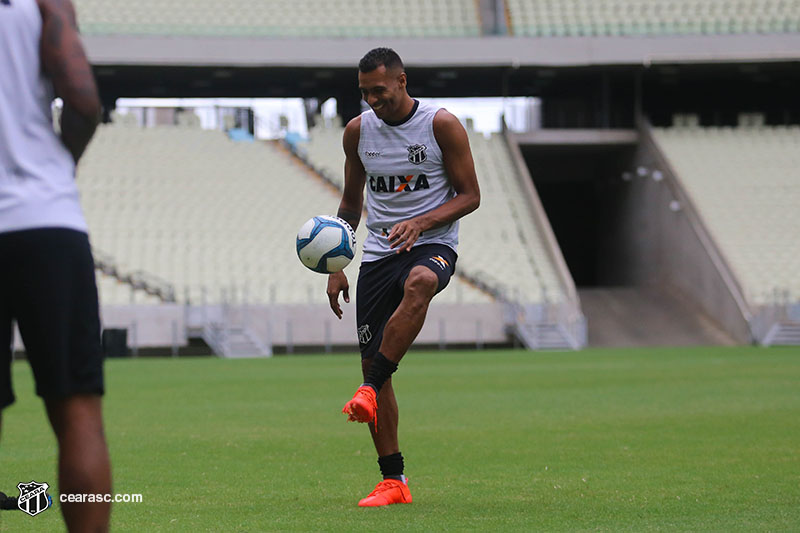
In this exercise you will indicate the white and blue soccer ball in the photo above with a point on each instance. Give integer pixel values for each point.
(326, 244)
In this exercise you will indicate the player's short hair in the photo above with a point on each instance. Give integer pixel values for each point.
(380, 56)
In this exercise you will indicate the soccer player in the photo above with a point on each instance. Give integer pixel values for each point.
(420, 180)
(47, 281)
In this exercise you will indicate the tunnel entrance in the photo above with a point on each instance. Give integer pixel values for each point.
(581, 188)
(605, 217)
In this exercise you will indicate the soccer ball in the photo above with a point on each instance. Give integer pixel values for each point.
(326, 244)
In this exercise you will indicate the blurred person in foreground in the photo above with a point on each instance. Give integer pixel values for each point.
(47, 282)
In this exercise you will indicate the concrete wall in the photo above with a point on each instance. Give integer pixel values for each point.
(304, 325)
(167, 325)
(513, 141)
(454, 52)
(148, 325)
(569, 137)
(660, 238)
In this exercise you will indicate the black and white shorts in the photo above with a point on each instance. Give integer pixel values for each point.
(47, 285)
(380, 288)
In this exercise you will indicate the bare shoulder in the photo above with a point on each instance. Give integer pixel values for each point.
(447, 128)
(352, 133)
(353, 127)
(444, 118)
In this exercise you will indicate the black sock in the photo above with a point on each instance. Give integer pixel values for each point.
(392, 466)
(380, 370)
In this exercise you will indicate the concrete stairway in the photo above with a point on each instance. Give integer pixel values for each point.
(234, 341)
(783, 334)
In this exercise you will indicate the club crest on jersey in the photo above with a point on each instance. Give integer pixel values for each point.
(417, 153)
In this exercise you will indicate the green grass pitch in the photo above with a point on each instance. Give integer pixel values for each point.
(701, 439)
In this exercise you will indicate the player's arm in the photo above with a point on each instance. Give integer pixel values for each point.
(64, 62)
(350, 207)
(354, 175)
(454, 143)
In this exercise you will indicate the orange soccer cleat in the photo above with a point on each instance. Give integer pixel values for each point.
(363, 407)
(387, 492)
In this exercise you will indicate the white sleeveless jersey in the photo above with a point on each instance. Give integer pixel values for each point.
(405, 178)
(37, 173)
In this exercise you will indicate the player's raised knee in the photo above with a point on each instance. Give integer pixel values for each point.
(421, 281)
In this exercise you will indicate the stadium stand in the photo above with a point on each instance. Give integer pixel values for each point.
(745, 183)
(548, 18)
(498, 242)
(281, 18)
(176, 227)
(323, 149)
(213, 218)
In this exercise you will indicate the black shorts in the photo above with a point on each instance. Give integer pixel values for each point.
(47, 285)
(380, 288)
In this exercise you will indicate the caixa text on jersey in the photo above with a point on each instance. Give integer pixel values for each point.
(398, 183)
